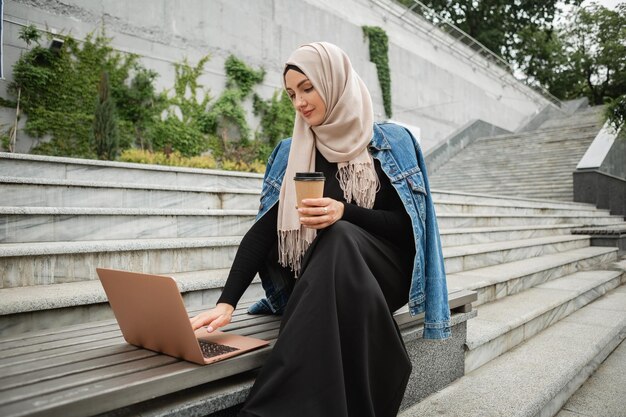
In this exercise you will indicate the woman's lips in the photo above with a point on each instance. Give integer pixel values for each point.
(307, 113)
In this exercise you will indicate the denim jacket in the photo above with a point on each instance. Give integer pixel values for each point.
(401, 159)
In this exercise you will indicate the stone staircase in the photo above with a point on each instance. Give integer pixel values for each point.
(536, 164)
(549, 305)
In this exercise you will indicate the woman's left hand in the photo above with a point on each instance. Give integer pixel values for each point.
(319, 213)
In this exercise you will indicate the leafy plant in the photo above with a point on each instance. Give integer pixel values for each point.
(59, 89)
(277, 117)
(615, 112)
(105, 135)
(29, 34)
(379, 51)
(183, 128)
(172, 159)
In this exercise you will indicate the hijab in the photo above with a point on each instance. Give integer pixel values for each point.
(342, 138)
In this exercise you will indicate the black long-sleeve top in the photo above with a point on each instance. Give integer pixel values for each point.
(387, 219)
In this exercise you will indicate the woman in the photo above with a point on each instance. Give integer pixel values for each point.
(337, 267)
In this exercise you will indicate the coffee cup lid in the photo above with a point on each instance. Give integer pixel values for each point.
(309, 176)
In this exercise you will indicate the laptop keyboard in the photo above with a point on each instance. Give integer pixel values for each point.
(210, 349)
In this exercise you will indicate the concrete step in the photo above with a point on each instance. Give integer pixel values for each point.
(603, 393)
(526, 141)
(43, 192)
(19, 192)
(32, 166)
(450, 221)
(505, 323)
(511, 173)
(44, 224)
(48, 224)
(537, 377)
(498, 281)
(465, 258)
(40, 307)
(474, 235)
(445, 206)
(491, 199)
(521, 187)
(44, 263)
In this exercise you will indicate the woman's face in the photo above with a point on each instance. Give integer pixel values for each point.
(305, 98)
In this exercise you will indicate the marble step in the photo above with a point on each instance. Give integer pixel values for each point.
(530, 187)
(49, 224)
(564, 194)
(45, 263)
(52, 167)
(445, 206)
(474, 235)
(538, 159)
(43, 192)
(491, 199)
(511, 174)
(498, 281)
(465, 258)
(529, 141)
(20, 192)
(44, 224)
(40, 307)
(603, 393)
(449, 221)
(503, 324)
(537, 377)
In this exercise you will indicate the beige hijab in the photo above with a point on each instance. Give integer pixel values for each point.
(342, 138)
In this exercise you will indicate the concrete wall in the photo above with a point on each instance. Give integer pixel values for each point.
(433, 88)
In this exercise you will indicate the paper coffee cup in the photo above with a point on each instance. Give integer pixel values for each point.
(309, 185)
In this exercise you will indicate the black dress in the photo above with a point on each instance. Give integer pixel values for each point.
(339, 352)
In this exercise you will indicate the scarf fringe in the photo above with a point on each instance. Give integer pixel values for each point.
(292, 244)
(359, 183)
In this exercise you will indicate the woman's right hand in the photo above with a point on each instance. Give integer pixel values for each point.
(214, 318)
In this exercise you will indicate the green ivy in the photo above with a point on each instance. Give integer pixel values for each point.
(59, 90)
(379, 51)
(59, 94)
(241, 76)
(228, 109)
(277, 117)
(184, 134)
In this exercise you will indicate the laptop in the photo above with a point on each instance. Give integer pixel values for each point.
(151, 314)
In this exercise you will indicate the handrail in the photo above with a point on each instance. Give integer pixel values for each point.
(459, 35)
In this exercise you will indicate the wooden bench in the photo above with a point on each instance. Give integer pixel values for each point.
(88, 369)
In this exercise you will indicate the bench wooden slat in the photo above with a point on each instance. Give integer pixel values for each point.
(71, 342)
(87, 374)
(35, 365)
(76, 367)
(62, 351)
(84, 379)
(56, 331)
(113, 393)
(29, 341)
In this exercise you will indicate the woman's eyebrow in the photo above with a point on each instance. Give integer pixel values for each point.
(302, 82)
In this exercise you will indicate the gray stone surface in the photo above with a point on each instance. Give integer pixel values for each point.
(537, 164)
(435, 364)
(44, 192)
(458, 140)
(529, 378)
(424, 61)
(604, 393)
(505, 323)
